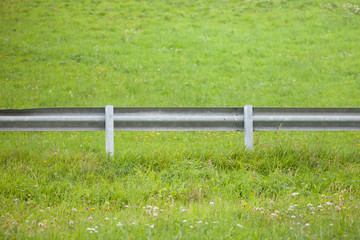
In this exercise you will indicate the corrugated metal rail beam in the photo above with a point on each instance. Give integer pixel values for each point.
(125, 119)
(306, 119)
(179, 119)
(53, 119)
(246, 119)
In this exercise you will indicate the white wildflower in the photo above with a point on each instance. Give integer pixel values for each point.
(294, 194)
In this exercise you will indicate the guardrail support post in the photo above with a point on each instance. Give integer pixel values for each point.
(248, 127)
(109, 129)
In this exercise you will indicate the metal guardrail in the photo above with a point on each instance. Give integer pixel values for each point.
(248, 119)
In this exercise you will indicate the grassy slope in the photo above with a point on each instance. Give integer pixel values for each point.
(148, 53)
(190, 54)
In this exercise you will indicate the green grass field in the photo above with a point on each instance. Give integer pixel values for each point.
(179, 185)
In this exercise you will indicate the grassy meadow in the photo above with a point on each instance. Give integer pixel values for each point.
(179, 185)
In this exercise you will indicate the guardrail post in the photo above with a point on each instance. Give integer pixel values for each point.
(248, 127)
(109, 129)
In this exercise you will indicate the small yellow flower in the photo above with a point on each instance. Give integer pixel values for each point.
(92, 208)
(344, 207)
(29, 195)
(28, 203)
(244, 204)
(341, 196)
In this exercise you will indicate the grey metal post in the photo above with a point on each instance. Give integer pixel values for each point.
(109, 129)
(248, 127)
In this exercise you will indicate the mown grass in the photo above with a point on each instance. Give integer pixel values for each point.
(173, 185)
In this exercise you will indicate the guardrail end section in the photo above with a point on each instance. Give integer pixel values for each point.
(109, 130)
(249, 127)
